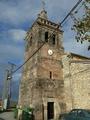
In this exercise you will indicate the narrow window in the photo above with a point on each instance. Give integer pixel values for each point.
(50, 75)
(53, 39)
(30, 41)
(46, 36)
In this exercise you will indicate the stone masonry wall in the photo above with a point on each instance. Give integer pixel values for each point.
(76, 82)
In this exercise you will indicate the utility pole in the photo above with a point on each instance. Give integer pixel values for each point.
(5, 90)
(10, 83)
(7, 87)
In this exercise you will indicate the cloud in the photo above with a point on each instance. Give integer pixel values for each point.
(11, 52)
(17, 76)
(21, 11)
(13, 35)
(16, 12)
(16, 35)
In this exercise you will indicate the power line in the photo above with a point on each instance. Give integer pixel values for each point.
(28, 58)
(71, 11)
(48, 37)
(31, 56)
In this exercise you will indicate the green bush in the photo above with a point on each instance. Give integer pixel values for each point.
(15, 113)
(2, 110)
(27, 109)
(27, 113)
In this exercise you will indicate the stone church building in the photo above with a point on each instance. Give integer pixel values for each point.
(52, 81)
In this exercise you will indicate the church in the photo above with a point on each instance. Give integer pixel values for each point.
(53, 82)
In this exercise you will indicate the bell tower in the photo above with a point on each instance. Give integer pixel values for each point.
(42, 85)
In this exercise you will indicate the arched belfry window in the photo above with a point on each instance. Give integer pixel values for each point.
(46, 36)
(30, 39)
(30, 42)
(53, 39)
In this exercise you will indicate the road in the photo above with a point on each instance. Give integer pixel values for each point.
(7, 116)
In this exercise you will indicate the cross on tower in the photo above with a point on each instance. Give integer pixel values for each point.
(43, 4)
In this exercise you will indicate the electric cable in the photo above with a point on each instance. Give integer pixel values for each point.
(48, 37)
(71, 11)
(31, 56)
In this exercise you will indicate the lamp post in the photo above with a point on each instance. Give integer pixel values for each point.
(7, 87)
(9, 78)
(5, 90)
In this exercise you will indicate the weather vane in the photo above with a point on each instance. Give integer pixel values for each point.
(43, 4)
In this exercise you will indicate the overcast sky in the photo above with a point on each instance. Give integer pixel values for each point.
(16, 16)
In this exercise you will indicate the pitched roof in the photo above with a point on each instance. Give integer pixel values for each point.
(80, 56)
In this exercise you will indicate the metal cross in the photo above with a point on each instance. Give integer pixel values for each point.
(43, 4)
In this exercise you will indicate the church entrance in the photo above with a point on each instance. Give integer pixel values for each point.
(50, 110)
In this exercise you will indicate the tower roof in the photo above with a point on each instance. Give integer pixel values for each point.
(43, 14)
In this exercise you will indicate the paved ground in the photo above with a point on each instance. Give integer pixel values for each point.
(7, 116)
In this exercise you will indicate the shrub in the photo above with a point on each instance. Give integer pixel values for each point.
(27, 113)
(15, 113)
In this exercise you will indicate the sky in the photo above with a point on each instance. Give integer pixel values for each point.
(16, 17)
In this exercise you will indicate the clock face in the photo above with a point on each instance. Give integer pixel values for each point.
(50, 52)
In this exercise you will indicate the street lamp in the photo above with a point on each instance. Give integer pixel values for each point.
(7, 87)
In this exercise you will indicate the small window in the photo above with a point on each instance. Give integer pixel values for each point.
(50, 75)
(30, 41)
(46, 36)
(53, 39)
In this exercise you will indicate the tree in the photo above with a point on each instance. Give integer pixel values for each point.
(82, 25)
